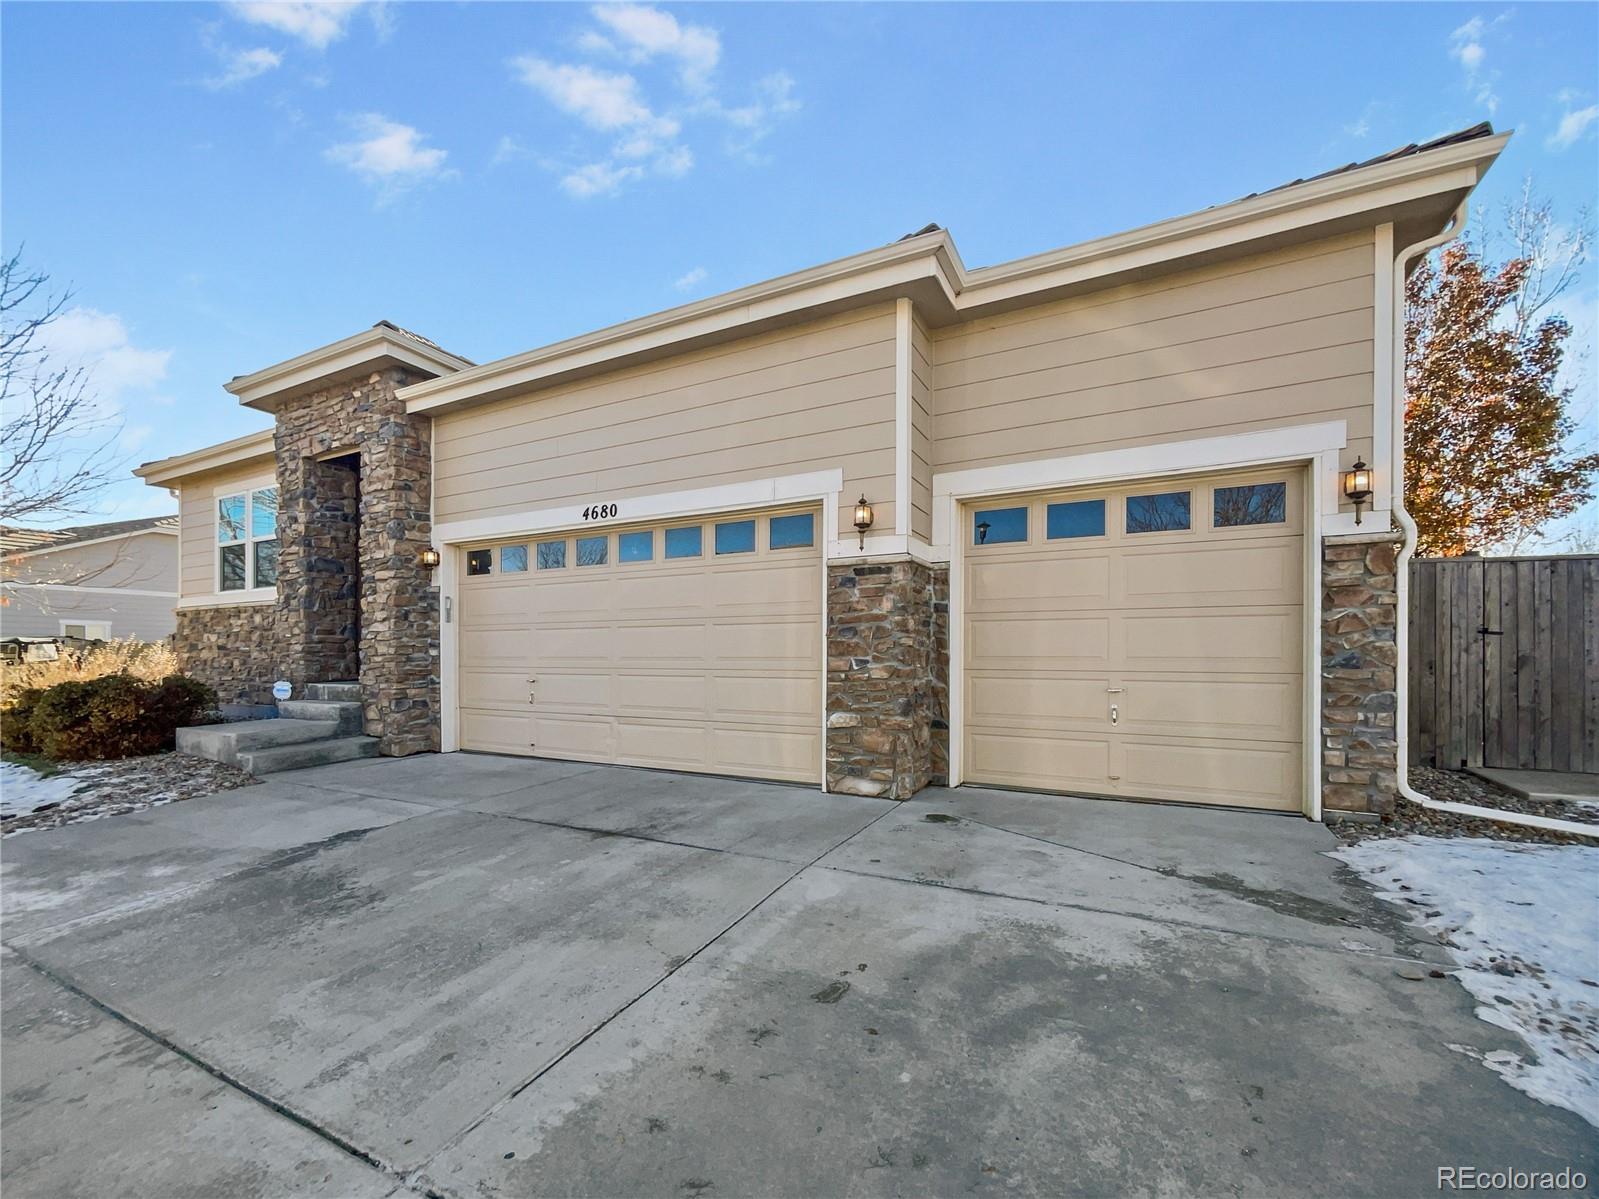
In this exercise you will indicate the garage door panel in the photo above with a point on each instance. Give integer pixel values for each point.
(790, 642)
(494, 648)
(676, 745)
(790, 754)
(1040, 642)
(1206, 574)
(710, 663)
(1213, 641)
(1258, 709)
(1080, 582)
(1194, 635)
(1253, 776)
(495, 732)
(740, 698)
(494, 688)
(680, 695)
(1038, 701)
(1004, 757)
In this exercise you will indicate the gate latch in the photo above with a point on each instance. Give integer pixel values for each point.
(1485, 631)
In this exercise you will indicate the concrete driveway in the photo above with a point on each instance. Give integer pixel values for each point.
(479, 976)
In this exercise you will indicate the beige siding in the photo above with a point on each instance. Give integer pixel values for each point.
(921, 432)
(812, 398)
(197, 515)
(1284, 338)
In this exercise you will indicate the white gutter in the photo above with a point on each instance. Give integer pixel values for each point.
(1407, 550)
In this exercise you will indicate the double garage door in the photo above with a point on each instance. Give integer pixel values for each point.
(1139, 641)
(691, 645)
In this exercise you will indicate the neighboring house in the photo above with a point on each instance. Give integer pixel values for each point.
(1109, 548)
(98, 582)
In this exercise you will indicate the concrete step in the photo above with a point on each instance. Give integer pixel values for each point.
(345, 715)
(308, 753)
(345, 692)
(225, 742)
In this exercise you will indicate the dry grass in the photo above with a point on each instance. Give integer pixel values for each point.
(146, 660)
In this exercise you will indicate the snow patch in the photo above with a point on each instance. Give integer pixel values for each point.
(23, 790)
(1522, 922)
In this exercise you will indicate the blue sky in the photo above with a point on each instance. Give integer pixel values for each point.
(227, 185)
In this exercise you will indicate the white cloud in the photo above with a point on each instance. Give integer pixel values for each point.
(1468, 47)
(317, 23)
(648, 140)
(508, 149)
(690, 279)
(597, 98)
(99, 343)
(641, 33)
(389, 154)
(599, 179)
(239, 66)
(1572, 128)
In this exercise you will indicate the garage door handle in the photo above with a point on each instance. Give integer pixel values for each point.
(1113, 713)
(1114, 690)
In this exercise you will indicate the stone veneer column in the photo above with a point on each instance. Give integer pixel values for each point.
(883, 705)
(1359, 673)
(398, 660)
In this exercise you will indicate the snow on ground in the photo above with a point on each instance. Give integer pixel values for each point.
(23, 790)
(1522, 922)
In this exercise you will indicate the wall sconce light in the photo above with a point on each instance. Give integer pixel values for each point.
(430, 557)
(1357, 485)
(863, 518)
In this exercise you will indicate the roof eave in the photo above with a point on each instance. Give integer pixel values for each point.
(240, 450)
(370, 349)
(933, 258)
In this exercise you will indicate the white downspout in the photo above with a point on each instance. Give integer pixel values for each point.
(1407, 550)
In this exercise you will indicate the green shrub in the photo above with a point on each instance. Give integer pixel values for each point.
(115, 716)
(16, 732)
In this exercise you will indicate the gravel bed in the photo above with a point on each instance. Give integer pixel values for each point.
(129, 785)
(1456, 786)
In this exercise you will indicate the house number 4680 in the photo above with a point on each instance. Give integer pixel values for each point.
(599, 512)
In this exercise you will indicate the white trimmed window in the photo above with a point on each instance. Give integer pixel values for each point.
(92, 630)
(247, 540)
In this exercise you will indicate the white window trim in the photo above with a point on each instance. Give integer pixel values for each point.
(247, 491)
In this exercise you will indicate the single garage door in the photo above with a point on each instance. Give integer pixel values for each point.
(690, 645)
(1141, 641)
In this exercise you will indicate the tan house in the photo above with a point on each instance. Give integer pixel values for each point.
(97, 582)
(1079, 522)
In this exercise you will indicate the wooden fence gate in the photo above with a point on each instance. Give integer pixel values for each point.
(1504, 662)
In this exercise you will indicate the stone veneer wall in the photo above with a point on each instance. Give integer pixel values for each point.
(1359, 673)
(881, 707)
(235, 648)
(939, 682)
(399, 613)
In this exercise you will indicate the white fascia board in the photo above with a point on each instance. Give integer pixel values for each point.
(728, 497)
(167, 471)
(81, 589)
(1235, 450)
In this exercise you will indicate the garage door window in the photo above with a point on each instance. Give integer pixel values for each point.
(1080, 518)
(736, 537)
(996, 526)
(791, 532)
(636, 547)
(513, 559)
(593, 551)
(1163, 513)
(550, 555)
(684, 543)
(1255, 504)
(479, 562)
